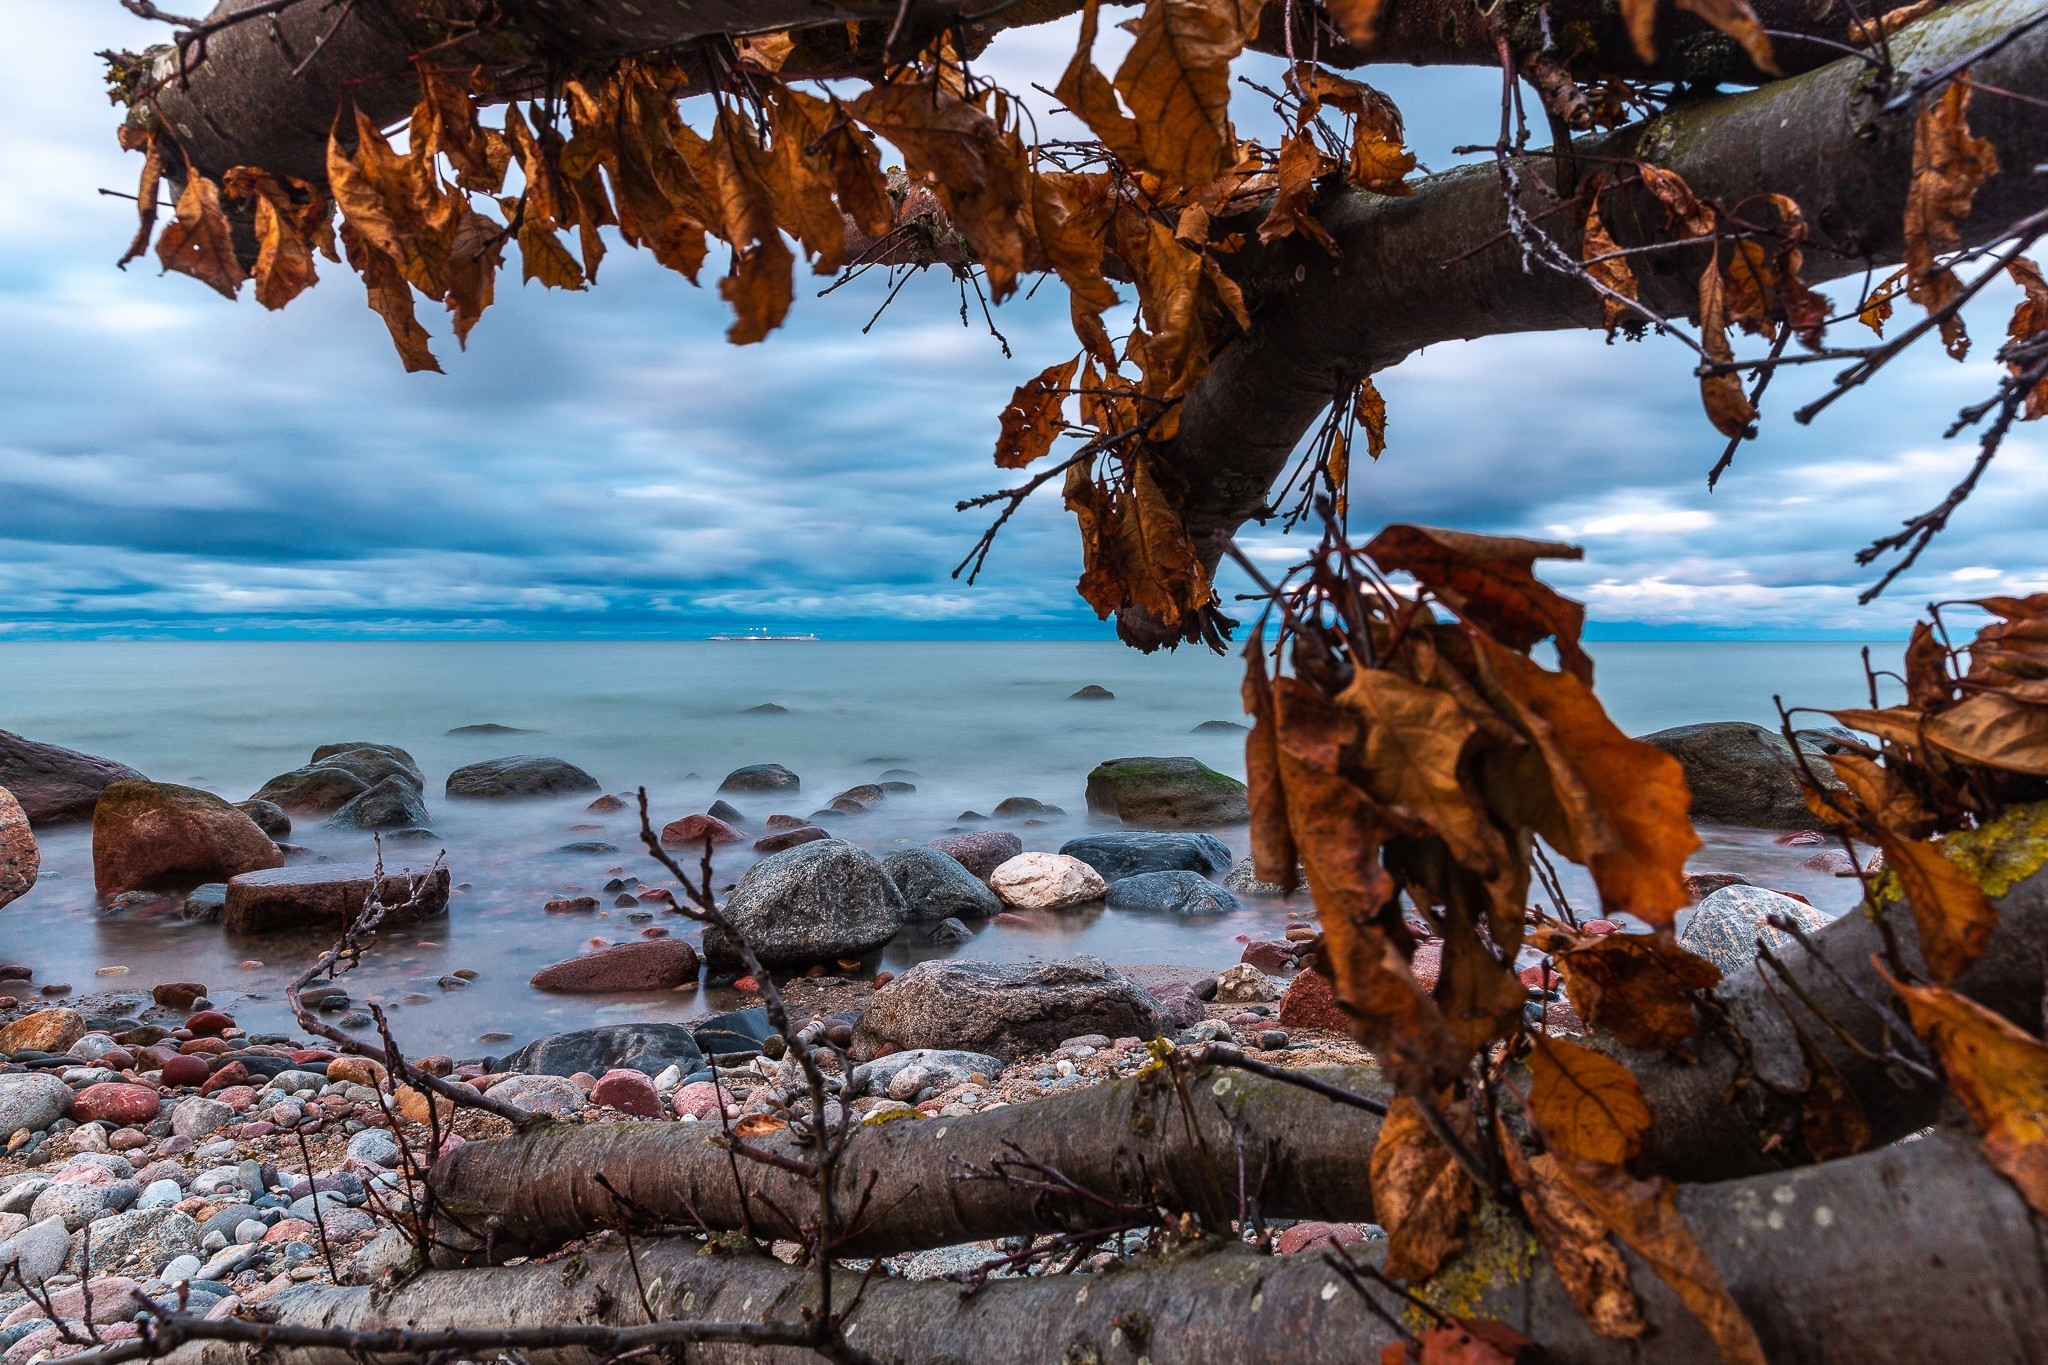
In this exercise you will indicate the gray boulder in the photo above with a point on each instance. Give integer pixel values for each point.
(1127, 853)
(1739, 774)
(818, 901)
(1170, 893)
(371, 762)
(761, 777)
(936, 887)
(31, 1101)
(1243, 879)
(980, 851)
(195, 1116)
(141, 1239)
(269, 818)
(37, 1252)
(919, 1070)
(544, 1094)
(521, 775)
(1167, 793)
(311, 790)
(54, 784)
(1006, 1008)
(651, 1048)
(394, 803)
(1724, 928)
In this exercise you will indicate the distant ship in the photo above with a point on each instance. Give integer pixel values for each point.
(760, 634)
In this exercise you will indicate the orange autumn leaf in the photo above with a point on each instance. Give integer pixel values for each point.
(285, 232)
(1587, 1104)
(1950, 163)
(1683, 211)
(1867, 31)
(1272, 841)
(1927, 679)
(1176, 82)
(197, 242)
(1641, 18)
(1583, 1256)
(1954, 916)
(1092, 99)
(1736, 19)
(2029, 324)
(1728, 407)
(1420, 1194)
(1993, 730)
(1638, 987)
(390, 299)
(1301, 163)
(1601, 255)
(1033, 421)
(1369, 410)
(1490, 581)
(2000, 1073)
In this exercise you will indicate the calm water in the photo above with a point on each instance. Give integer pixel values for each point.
(977, 722)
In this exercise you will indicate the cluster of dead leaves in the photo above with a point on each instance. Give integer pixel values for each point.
(1407, 762)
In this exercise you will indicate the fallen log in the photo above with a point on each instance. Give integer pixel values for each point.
(1963, 1279)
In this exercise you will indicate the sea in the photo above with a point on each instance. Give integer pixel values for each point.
(975, 721)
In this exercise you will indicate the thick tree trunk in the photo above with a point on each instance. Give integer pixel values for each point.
(1303, 1156)
(1916, 1252)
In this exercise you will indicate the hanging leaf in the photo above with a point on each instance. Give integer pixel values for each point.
(2029, 324)
(760, 283)
(2000, 1074)
(1369, 410)
(1292, 212)
(1587, 1104)
(1489, 581)
(1728, 407)
(1638, 987)
(543, 257)
(284, 256)
(1074, 250)
(1684, 214)
(1380, 159)
(390, 299)
(1601, 255)
(1954, 916)
(1092, 99)
(1587, 1263)
(1413, 740)
(1876, 308)
(146, 190)
(804, 177)
(1736, 19)
(1272, 842)
(198, 242)
(1950, 163)
(1420, 1194)
(444, 123)
(1927, 678)
(1032, 421)
(1176, 81)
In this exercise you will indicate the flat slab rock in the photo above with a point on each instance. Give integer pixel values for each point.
(1006, 1009)
(322, 895)
(1167, 793)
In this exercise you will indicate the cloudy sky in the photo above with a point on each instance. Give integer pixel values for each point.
(604, 464)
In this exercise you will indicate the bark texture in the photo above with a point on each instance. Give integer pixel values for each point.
(1961, 1277)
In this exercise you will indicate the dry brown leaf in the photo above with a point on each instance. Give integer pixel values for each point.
(1954, 916)
(198, 242)
(766, 51)
(1876, 308)
(1173, 349)
(1033, 420)
(1369, 410)
(2000, 1073)
(147, 187)
(1489, 581)
(1587, 1263)
(1357, 20)
(1867, 31)
(803, 179)
(758, 1125)
(1899, 725)
(1380, 159)
(444, 123)
(1176, 82)
(1412, 742)
(1641, 18)
(1092, 99)
(284, 256)
(1273, 854)
(1615, 805)
(1478, 994)
(543, 257)
(1644, 1214)
(1995, 731)
(1602, 258)
(760, 284)
(1073, 248)
(1950, 163)
(1292, 213)
(390, 299)
(1882, 795)
(1420, 1194)
(1683, 211)
(1639, 987)
(1928, 683)
(1736, 19)
(2029, 323)
(1587, 1104)
(1728, 407)
(1831, 1119)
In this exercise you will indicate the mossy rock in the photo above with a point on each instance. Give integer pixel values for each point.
(1167, 793)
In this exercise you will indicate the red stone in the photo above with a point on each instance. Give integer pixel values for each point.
(1831, 860)
(883, 978)
(1541, 975)
(209, 1023)
(789, 838)
(114, 1102)
(118, 1058)
(1800, 838)
(1269, 956)
(1311, 1003)
(233, 1073)
(1600, 926)
(778, 823)
(650, 965)
(691, 829)
(1315, 1236)
(194, 1047)
(629, 1092)
(1428, 961)
(313, 1054)
(291, 1230)
(747, 984)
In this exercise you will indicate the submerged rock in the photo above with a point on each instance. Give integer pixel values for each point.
(1172, 893)
(518, 776)
(491, 728)
(159, 836)
(1219, 727)
(1092, 692)
(1167, 793)
(648, 965)
(789, 838)
(816, 902)
(20, 859)
(1126, 853)
(1046, 881)
(54, 784)
(394, 803)
(1006, 1009)
(647, 1048)
(980, 852)
(269, 818)
(371, 762)
(691, 830)
(324, 896)
(312, 790)
(761, 777)
(936, 886)
(1739, 774)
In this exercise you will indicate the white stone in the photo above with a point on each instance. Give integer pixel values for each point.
(1046, 881)
(1245, 984)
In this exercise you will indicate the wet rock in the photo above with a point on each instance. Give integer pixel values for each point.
(629, 1092)
(50, 1031)
(1310, 1002)
(980, 852)
(649, 1048)
(115, 1103)
(324, 896)
(1167, 793)
(159, 836)
(949, 931)
(1007, 1008)
(589, 846)
(1269, 956)
(1128, 853)
(1092, 692)
(761, 777)
(1046, 881)
(393, 803)
(311, 790)
(207, 901)
(607, 805)
(31, 1101)
(938, 1069)
(1316, 1237)
(1023, 808)
(177, 995)
(491, 728)
(519, 776)
(736, 1031)
(184, 1070)
(53, 784)
(269, 817)
(1739, 774)
(571, 905)
(1832, 861)
(1180, 1002)
(728, 812)
(936, 886)
(1244, 984)
(647, 965)
(814, 903)
(1170, 893)
(20, 859)
(767, 708)
(692, 829)
(195, 1117)
(1724, 928)
(371, 762)
(1219, 727)
(789, 838)
(866, 796)
(1700, 885)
